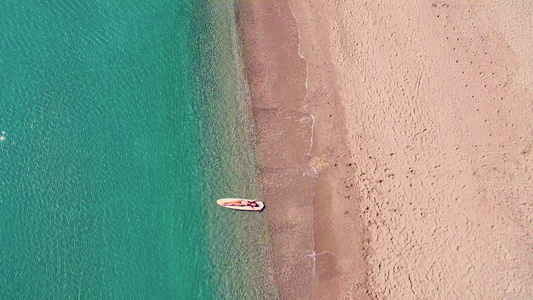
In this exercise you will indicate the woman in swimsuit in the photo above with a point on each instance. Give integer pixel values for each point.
(251, 203)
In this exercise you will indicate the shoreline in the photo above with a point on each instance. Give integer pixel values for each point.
(276, 76)
(304, 194)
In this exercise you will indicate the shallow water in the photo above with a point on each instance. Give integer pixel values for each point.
(123, 123)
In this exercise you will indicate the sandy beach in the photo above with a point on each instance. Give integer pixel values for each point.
(396, 145)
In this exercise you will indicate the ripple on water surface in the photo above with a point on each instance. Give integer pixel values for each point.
(123, 122)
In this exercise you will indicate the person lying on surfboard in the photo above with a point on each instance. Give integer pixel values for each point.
(251, 203)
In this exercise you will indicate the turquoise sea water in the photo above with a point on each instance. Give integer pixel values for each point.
(122, 122)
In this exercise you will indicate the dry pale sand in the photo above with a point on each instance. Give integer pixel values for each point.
(418, 181)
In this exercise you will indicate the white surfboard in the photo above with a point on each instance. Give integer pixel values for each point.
(222, 202)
